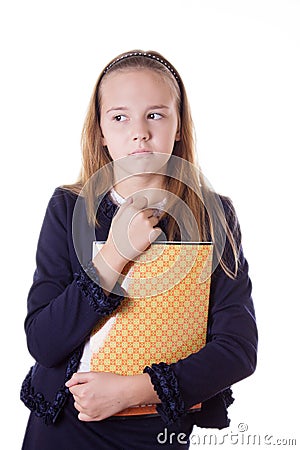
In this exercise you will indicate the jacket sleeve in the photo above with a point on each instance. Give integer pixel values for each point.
(230, 352)
(63, 306)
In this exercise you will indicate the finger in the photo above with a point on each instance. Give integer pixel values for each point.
(152, 213)
(140, 203)
(153, 221)
(157, 213)
(78, 378)
(70, 383)
(83, 413)
(124, 206)
(85, 418)
(76, 390)
(77, 406)
(80, 404)
(154, 234)
(129, 210)
(147, 213)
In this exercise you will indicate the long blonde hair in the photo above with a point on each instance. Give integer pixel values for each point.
(205, 205)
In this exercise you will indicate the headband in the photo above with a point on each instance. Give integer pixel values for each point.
(144, 55)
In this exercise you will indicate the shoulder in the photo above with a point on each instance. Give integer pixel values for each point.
(227, 233)
(222, 211)
(62, 203)
(226, 205)
(229, 208)
(62, 196)
(59, 211)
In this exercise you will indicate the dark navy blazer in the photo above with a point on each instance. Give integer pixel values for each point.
(64, 304)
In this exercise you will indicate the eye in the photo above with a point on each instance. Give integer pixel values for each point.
(155, 116)
(119, 118)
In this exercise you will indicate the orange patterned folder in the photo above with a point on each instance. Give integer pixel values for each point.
(164, 316)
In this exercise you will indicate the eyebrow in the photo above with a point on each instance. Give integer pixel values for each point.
(124, 108)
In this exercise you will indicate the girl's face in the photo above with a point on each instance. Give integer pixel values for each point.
(139, 117)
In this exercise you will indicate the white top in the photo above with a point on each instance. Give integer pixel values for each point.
(119, 200)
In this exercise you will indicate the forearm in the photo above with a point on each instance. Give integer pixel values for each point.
(140, 390)
(109, 265)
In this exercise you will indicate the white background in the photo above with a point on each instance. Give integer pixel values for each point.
(240, 63)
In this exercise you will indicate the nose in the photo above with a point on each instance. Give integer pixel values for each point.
(140, 132)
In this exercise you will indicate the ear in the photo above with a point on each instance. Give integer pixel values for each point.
(103, 138)
(178, 133)
(177, 136)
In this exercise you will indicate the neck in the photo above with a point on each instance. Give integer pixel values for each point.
(152, 187)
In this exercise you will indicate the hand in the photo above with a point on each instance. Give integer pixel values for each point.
(133, 228)
(131, 232)
(97, 395)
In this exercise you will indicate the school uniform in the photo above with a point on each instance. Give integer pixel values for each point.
(65, 302)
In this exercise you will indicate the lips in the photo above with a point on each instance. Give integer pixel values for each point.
(140, 151)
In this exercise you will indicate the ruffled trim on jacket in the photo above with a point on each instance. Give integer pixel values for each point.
(165, 384)
(36, 401)
(227, 397)
(88, 281)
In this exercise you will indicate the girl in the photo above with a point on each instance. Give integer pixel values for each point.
(139, 165)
